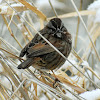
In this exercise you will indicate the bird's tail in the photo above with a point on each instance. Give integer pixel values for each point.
(27, 63)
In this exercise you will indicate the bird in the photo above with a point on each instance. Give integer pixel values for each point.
(40, 54)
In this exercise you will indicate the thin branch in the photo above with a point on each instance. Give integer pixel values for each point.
(88, 33)
(53, 9)
(18, 88)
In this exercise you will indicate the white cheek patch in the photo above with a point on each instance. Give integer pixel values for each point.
(59, 35)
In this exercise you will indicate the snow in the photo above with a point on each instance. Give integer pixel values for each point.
(67, 64)
(85, 63)
(17, 5)
(91, 95)
(95, 6)
(26, 33)
(20, 25)
(3, 9)
(23, 15)
(98, 16)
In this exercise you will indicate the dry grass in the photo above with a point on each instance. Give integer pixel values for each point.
(30, 84)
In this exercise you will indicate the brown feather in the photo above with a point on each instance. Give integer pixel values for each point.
(40, 54)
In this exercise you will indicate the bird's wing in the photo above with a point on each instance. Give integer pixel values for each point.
(28, 46)
(39, 49)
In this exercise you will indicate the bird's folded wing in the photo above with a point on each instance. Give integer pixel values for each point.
(39, 49)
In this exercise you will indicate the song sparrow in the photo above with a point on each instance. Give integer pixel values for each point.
(40, 54)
